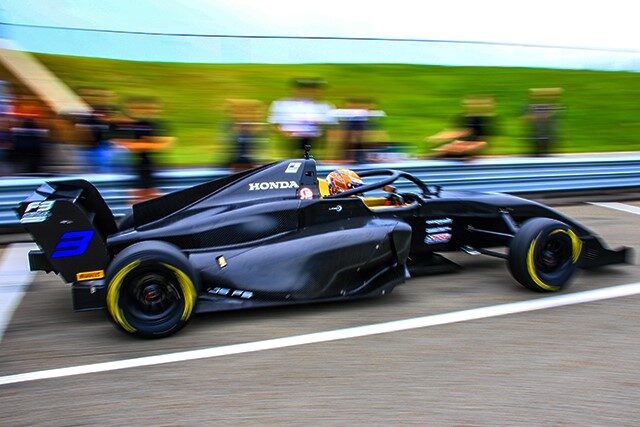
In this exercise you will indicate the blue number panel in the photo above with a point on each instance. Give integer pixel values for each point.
(73, 243)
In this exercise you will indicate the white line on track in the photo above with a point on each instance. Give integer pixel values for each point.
(619, 207)
(338, 334)
(15, 278)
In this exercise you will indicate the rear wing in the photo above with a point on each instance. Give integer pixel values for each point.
(70, 222)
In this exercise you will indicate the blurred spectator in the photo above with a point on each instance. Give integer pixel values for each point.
(542, 115)
(302, 117)
(147, 138)
(96, 129)
(246, 122)
(476, 125)
(97, 149)
(28, 146)
(355, 118)
(29, 136)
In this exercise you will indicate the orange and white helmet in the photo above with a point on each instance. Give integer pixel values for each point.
(342, 180)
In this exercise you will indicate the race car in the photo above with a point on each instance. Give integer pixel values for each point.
(275, 235)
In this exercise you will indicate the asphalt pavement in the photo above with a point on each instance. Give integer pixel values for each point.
(569, 365)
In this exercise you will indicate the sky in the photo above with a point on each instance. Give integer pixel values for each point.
(587, 24)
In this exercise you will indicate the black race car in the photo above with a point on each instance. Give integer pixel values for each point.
(273, 236)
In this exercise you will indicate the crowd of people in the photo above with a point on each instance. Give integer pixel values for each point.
(353, 132)
(115, 138)
(304, 119)
(109, 139)
(476, 126)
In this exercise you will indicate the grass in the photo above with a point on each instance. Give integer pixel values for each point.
(602, 108)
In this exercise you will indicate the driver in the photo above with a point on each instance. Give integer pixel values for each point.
(341, 180)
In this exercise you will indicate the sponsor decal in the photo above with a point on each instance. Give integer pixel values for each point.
(37, 212)
(237, 293)
(438, 230)
(73, 243)
(222, 262)
(89, 275)
(337, 208)
(433, 239)
(272, 185)
(305, 193)
(293, 167)
(439, 221)
(39, 206)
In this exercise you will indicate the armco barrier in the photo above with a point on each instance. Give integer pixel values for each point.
(509, 175)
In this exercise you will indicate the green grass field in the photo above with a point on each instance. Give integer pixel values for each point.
(602, 108)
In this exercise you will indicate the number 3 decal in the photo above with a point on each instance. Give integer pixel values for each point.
(73, 243)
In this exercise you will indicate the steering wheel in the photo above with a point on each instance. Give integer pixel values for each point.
(393, 197)
(393, 175)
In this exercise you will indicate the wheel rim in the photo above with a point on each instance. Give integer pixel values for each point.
(554, 254)
(152, 297)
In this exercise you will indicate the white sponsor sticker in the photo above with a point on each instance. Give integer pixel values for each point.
(37, 212)
(272, 185)
(437, 230)
(293, 167)
(439, 221)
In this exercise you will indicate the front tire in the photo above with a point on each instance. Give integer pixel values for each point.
(543, 254)
(151, 290)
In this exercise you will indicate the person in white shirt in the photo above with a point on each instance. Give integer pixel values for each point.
(302, 117)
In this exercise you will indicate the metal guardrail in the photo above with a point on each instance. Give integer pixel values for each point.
(508, 175)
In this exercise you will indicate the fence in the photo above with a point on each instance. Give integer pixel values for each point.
(509, 175)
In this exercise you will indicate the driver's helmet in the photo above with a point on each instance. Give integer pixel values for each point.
(341, 180)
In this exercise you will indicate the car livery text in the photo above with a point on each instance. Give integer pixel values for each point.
(272, 185)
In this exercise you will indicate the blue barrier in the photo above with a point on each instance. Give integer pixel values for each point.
(516, 175)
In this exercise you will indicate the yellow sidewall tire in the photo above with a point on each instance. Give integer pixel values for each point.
(527, 243)
(137, 263)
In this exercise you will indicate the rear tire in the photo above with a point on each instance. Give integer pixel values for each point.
(543, 254)
(151, 290)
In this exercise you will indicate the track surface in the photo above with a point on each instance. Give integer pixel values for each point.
(568, 365)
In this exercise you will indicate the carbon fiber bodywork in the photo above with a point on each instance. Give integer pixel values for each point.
(268, 237)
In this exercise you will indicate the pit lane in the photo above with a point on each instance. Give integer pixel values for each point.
(565, 364)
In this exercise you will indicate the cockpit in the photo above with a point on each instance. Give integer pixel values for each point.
(381, 194)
